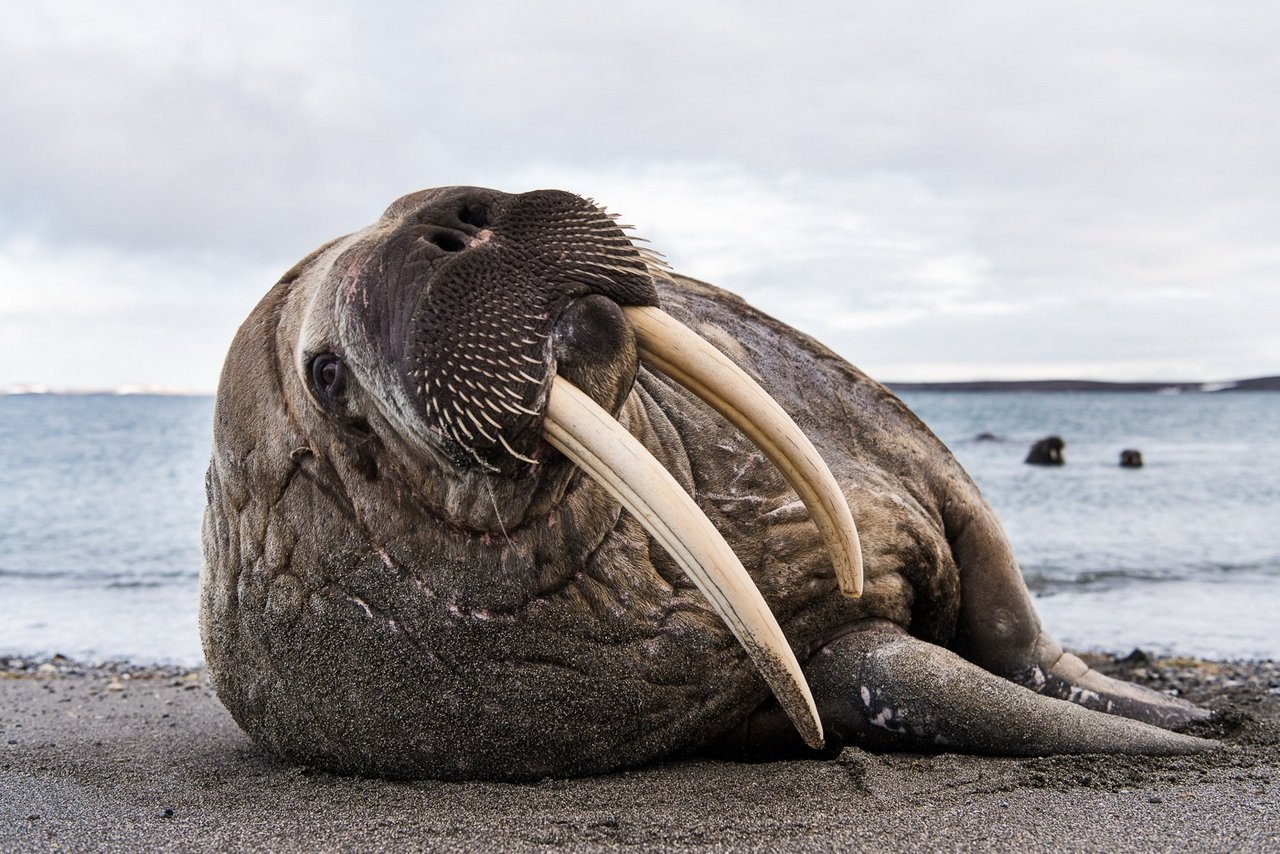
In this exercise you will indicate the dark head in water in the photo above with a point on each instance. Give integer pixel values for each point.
(493, 495)
(1047, 452)
(1131, 458)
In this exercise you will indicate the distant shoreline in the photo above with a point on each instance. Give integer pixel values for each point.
(1253, 384)
(1271, 383)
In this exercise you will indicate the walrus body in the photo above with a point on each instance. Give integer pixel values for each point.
(381, 603)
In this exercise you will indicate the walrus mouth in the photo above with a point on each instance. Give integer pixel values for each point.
(585, 433)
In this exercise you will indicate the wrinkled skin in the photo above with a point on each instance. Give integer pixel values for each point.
(378, 599)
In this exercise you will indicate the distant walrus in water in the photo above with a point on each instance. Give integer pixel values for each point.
(1047, 452)
(493, 495)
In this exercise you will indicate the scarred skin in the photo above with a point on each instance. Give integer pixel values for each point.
(370, 604)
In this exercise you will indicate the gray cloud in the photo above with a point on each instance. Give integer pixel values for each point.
(989, 189)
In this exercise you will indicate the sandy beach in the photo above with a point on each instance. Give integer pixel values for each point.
(122, 758)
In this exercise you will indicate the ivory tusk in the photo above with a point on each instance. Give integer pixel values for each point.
(667, 345)
(586, 434)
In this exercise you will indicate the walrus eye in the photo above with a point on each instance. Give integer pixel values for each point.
(326, 376)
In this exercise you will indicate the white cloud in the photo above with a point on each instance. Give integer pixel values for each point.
(921, 187)
(91, 318)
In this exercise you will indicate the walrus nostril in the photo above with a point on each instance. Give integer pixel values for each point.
(474, 214)
(447, 240)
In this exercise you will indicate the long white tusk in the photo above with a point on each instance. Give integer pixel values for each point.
(615, 459)
(667, 345)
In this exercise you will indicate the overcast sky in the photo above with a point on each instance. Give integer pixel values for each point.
(936, 190)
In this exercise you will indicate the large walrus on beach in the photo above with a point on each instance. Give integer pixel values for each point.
(492, 495)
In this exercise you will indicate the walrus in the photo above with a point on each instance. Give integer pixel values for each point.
(494, 494)
(1131, 458)
(1047, 452)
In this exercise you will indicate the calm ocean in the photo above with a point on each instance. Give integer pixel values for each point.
(101, 496)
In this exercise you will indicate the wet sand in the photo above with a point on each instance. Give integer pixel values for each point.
(120, 758)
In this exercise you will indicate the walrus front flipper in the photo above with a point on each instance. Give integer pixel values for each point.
(881, 689)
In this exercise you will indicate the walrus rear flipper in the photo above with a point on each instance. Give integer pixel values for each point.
(1000, 631)
(1064, 676)
(882, 689)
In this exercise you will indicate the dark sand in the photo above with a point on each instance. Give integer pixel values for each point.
(122, 758)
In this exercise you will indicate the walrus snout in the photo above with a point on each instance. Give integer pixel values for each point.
(461, 291)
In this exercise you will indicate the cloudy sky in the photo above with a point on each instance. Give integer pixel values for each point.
(937, 190)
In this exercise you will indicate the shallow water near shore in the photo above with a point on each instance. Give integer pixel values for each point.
(101, 497)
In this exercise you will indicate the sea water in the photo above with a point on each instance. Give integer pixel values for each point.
(1179, 556)
(101, 497)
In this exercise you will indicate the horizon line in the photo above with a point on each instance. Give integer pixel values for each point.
(157, 390)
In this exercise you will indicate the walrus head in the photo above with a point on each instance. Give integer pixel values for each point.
(441, 380)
